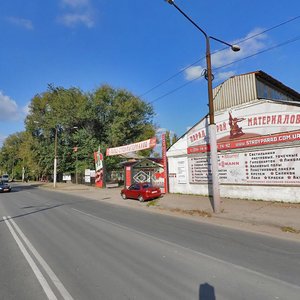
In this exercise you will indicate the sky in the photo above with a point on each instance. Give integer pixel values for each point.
(146, 47)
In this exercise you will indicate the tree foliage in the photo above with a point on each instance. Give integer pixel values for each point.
(170, 140)
(106, 117)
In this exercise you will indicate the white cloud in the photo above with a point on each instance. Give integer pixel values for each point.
(76, 3)
(254, 42)
(221, 76)
(161, 130)
(74, 19)
(24, 23)
(9, 110)
(194, 72)
(77, 12)
(248, 47)
(2, 139)
(25, 109)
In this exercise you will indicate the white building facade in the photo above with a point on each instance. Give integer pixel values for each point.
(258, 137)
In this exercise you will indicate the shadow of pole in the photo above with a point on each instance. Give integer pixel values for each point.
(33, 212)
(206, 292)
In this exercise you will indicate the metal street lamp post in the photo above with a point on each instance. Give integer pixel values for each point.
(212, 125)
(76, 167)
(55, 159)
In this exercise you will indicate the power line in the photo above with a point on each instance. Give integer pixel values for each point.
(260, 52)
(175, 90)
(192, 64)
(170, 78)
(226, 65)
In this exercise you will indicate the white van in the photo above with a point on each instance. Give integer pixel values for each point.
(4, 178)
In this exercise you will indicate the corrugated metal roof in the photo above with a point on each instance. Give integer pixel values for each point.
(238, 90)
(235, 91)
(277, 84)
(242, 88)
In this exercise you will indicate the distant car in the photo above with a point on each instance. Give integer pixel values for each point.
(4, 187)
(141, 191)
(4, 178)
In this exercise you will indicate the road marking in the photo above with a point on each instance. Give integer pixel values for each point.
(63, 291)
(32, 264)
(233, 265)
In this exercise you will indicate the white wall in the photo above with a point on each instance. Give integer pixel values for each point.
(266, 193)
(179, 180)
(251, 192)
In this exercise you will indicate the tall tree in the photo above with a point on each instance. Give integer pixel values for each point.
(107, 117)
(10, 156)
(120, 117)
(168, 139)
(174, 139)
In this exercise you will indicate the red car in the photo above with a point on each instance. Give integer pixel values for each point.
(141, 191)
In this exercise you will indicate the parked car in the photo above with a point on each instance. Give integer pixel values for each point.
(141, 191)
(4, 187)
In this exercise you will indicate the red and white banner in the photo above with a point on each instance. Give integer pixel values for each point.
(251, 142)
(99, 168)
(165, 162)
(255, 125)
(147, 144)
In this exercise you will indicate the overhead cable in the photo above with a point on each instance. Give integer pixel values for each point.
(222, 49)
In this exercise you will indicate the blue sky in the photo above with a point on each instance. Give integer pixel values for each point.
(137, 45)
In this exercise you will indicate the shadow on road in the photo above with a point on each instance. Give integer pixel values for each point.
(35, 208)
(33, 212)
(206, 292)
(22, 187)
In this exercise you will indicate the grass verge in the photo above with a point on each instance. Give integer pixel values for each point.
(289, 229)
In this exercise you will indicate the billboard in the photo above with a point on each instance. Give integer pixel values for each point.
(147, 144)
(274, 166)
(253, 125)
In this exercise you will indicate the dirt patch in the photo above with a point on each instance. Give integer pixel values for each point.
(190, 212)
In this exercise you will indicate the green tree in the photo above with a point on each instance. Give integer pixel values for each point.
(168, 139)
(120, 117)
(57, 111)
(107, 117)
(174, 139)
(10, 155)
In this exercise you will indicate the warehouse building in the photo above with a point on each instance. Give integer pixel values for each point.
(258, 136)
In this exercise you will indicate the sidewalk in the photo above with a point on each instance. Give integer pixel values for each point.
(277, 219)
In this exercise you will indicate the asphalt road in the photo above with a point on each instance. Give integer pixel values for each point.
(59, 246)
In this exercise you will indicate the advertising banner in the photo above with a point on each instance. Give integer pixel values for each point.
(99, 168)
(147, 144)
(275, 166)
(181, 172)
(165, 162)
(251, 126)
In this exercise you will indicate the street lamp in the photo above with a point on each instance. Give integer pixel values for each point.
(55, 159)
(212, 125)
(75, 150)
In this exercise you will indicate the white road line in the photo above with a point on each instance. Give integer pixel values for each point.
(63, 291)
(32, 264)
(191, 250)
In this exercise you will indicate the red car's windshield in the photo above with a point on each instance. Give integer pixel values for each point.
(147, 185)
